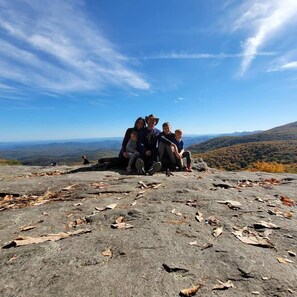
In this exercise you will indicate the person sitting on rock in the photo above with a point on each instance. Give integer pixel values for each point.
(131, 153)
(138, 126)
(147, 147)
(86, 161)
(180, 153)
(166, 147)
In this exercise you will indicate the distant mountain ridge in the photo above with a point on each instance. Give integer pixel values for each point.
(278, 145)
(284, 132)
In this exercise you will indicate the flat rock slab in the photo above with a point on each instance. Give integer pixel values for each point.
(41, 206)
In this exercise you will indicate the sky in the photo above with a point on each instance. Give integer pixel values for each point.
(88, 68)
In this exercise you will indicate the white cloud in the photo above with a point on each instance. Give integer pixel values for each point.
(266, 18)
(184, 55)
(284, 66)
(51, 44)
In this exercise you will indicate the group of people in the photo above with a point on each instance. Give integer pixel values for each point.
(149, 150)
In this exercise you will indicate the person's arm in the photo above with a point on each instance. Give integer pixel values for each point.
(140, 143)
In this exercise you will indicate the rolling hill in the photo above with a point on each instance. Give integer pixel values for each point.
(235, 153)
(285, 132)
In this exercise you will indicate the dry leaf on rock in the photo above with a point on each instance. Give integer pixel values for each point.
(216, 232)
(193, 243)
(287, 201)
(143, 185)
(231, 204)
(190, 291)
(206, 246)
(192, 203)
(223, 286)
(111, 206)
(291, 253)
(50, 237)
(134, 203)
(248, 237)
(268, 225)
(100, 185)
(69, 188)
(284, 260)
(212, 220)
(199, 217)
(122, 225)
(174, 268)
(26, 228)
(174, 211)
(107, 253)
(119, 220)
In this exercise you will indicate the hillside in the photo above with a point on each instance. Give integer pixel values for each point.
(240, 156)
(285, 132)
(78, 232)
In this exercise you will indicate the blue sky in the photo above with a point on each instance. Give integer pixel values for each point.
(82, 69)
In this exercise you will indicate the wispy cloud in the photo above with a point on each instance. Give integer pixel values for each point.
(184, 55)
(264, 19)
(52, 45)
(284, 66)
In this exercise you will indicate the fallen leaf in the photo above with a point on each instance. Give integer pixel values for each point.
(206, 246)
(287, 201)
(69, 188)
(263, 224)
(255, 293)
(77, 204)
(216, 232)
(122, 226)
(193, 243)
(174, 268)
(291, 253)
(223, 286)
(248, 237)
(143, 184)
(134, 203)
(111, 206)
(100, 185)
(107, 253)
(281, 260)
(190, 291)
(199, 217)
(26, 228)
(231, 204)
(212, 220)
(20, 241)
(174, 211)
(119, 220)
(192, 203)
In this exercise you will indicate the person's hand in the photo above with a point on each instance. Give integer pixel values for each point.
(148, 153)
(125, 154)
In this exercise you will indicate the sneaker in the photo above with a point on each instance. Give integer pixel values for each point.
(129, 170)
(155, 168)
(139, 166)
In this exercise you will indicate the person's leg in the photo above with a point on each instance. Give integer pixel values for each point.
(187, 155)
(161, 149)
(139, 166)
(134, 156)
(170, 154)
(130, 155)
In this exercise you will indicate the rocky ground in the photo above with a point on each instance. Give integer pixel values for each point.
(67, 231)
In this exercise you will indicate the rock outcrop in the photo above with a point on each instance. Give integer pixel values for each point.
(71, 232)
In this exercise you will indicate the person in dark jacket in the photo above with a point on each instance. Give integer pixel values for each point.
(147, 147)
(138, 126)
(166, 147)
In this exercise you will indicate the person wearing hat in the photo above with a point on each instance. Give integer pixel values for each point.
(147, 147)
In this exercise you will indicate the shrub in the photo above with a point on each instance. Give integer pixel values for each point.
(268, 167)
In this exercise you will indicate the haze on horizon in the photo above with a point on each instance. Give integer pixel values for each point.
(77, 69)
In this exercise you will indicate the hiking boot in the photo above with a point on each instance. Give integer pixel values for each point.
(139, 166)
(155, 168)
